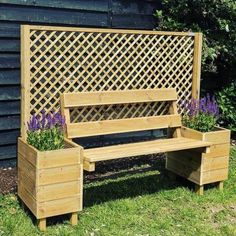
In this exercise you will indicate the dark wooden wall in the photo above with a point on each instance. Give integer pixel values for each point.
(135, 14)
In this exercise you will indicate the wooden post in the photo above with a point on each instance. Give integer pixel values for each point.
(220, 185)
(42, 224)
(197, 65)
(25, 78)
(74, 218)
(199, 189)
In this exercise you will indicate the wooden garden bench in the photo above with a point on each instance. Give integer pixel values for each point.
(172, 121)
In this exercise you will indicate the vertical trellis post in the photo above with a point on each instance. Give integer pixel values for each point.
(197, 65)
(25, 78)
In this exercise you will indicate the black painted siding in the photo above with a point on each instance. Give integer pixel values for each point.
(136, 14)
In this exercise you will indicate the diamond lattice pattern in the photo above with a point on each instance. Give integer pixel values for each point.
(68, 61)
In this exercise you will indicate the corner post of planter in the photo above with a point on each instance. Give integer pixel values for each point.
(199, 189)
(74, 218)
(42, 224)
(220, 185)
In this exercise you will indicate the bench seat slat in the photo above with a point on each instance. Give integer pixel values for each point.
(141, 148)
(85, 129)
(82, 99)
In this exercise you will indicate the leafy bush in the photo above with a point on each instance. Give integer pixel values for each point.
(226, 99)
(201, 114)
(217, 20)
(45, 132)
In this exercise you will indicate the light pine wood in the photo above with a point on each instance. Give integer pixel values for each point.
(85, 129)
(42, 224)
(100, 68)
(113, 126)
(197, 65)
(25, 78)
(99, 30)
(50, 183)
(203, 168)
(141, 148)
(71, 100)
(220, 185)
(199, 189)
(89, 166)
(74, 218)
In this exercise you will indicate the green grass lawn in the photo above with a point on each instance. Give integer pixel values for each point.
(141, 201)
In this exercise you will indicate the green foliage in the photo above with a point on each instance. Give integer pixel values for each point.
(217, 20)
(45, 131)
(46, 139)
(226, 99)
(202, 122)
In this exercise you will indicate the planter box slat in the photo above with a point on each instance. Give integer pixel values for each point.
(58, 175)
(218, 150)
(57, 191)
(58, 207)
(213, 176)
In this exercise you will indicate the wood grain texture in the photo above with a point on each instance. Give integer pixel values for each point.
(85, 129)
(71, 100)
(50, 183)
(203, 168)
(141, 148)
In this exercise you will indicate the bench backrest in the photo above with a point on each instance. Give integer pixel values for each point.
(92, 104)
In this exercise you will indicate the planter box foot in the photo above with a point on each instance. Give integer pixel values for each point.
(74, 218)
(199, 189)
(220, 185)
(42, 224)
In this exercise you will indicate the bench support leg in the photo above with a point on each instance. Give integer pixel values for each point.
(42, 224)
(88, 166)
(74, 218)
(220, 185)
(199, 189)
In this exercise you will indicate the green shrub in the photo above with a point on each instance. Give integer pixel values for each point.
(217, 21)
(226, 99)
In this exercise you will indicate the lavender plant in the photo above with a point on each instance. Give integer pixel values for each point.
(201, 115)
(45, 131)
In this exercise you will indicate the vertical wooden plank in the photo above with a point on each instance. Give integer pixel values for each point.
(65, 112)
(220, 185)
(42, 224)
(197, 65)
(74, 218)
(173, 110)
(199, 189)
(25, 78)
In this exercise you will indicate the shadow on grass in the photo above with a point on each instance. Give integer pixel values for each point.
(128, 183)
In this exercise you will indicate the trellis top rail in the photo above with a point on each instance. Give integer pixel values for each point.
(104, 30)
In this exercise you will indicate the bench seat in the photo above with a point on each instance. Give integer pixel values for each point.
(96, 113)
(142, 148)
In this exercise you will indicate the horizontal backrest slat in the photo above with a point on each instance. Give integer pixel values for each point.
(85, 129)
(82, 99)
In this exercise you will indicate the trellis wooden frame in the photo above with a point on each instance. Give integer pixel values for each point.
(176, 54)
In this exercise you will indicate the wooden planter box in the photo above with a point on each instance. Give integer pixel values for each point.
(50, 182)
(202, 168)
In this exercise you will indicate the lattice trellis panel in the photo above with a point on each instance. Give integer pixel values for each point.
(57, 60)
